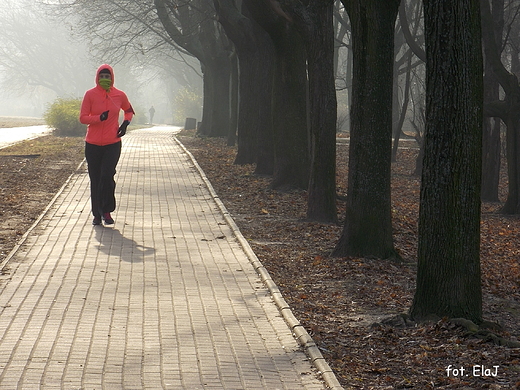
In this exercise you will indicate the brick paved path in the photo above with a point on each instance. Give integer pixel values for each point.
(165, 299)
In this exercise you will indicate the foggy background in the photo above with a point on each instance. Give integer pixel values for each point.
(52, 48)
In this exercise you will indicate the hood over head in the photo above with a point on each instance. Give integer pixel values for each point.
(104, 67)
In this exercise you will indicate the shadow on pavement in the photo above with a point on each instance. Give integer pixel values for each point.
(113, 243)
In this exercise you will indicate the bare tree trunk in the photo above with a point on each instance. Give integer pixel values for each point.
(491, 146)
(207, 103)
(368, 220)
(321, 201)
(289, 104)
(220, 73)
(291, 154)
(256, 56)
(314, 22)
(448, 274)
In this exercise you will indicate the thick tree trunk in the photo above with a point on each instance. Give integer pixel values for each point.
(256, 57)
(207, 103)
(314, 22)
(289, 111)
(220, 73)
(448, 277)
(255, 111)
(215, 113)
(321, 200)
(291, 146)
(368, 221)
(255, 119)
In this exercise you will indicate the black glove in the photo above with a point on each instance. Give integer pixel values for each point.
(122, 128)
(103, 116)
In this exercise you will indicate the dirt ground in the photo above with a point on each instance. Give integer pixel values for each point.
(343, 303)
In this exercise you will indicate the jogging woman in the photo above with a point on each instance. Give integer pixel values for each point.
(100, 111)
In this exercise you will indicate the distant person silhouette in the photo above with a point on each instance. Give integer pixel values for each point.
(152, 112)
(100, 111)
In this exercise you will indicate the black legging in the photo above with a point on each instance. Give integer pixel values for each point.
(102, 161)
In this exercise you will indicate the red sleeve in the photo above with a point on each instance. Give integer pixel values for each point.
(85, 114)
(127, 108)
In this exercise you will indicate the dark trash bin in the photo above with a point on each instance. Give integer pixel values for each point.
(190, 124)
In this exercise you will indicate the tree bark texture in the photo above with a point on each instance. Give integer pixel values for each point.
(448, 277)
(368, 221)
(321, 201)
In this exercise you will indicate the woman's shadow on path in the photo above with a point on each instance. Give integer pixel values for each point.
(113, 243)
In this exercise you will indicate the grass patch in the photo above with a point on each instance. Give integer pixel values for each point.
(49, 147)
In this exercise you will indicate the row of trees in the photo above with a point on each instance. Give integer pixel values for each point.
(449, 241)
(269, 77)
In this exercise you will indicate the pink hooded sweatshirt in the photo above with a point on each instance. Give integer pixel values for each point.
(95, 102)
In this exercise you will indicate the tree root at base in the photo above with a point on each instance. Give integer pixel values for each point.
(485, 331)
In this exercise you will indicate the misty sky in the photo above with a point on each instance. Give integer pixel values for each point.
(43, 57)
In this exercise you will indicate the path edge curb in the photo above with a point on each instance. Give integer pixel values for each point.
(299, 332)
(24, 237)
